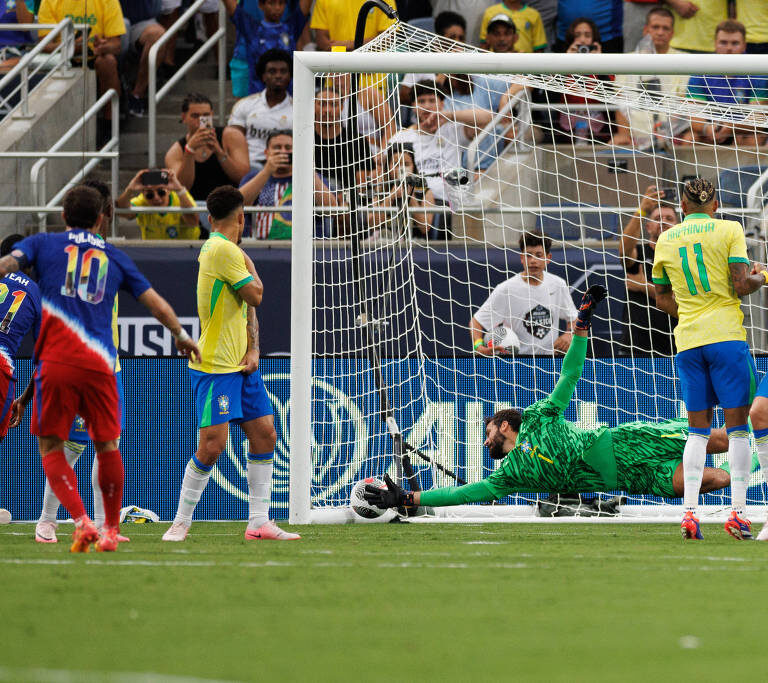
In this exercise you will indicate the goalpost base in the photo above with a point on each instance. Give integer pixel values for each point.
(482, 514)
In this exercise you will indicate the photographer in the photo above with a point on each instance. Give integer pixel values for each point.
(583, 36)
(161, 188)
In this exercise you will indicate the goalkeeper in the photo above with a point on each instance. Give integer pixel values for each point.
(542, 452)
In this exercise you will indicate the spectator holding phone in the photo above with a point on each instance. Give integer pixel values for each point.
(161, 188)
(647, 329)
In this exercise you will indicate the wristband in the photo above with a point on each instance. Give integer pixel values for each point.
(181, 336)
(764, 273)
(188, 149)
(641, 213)
(478, 342)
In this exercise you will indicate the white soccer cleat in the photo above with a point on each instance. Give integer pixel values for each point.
(269, 531)
(763, 535)
(178, 532)
(5, 516)
(45, 532)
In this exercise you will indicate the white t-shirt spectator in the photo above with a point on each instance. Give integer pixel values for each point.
(532, 312)
(436, 153)
(259, 119)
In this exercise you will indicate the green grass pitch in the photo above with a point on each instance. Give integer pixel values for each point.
(522, 602)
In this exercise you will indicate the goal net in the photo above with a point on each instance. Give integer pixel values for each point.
(414, 206)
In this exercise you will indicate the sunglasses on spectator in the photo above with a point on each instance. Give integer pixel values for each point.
(150, 194)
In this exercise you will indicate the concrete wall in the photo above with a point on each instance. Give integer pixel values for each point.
(55, 106)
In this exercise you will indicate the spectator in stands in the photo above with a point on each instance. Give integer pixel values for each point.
(162, 191)
(107, 25)
(647, 329)
(440, 135)
(606, 15)
(501, 34)
(695, 23)
(256, 116)
(273, 186)
(334, 22)
(271, 33)
(547, 9)
(730, 38)
(144, 32)
(754, 16)
(471, 12)
(531, 36)
(207, 156)
(14, 43)
(450, 25)
(373, 117)
(342, 162)
(532, 303)
(635, 21)
(636, 127)
(584, 36)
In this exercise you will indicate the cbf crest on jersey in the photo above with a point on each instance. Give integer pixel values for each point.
(223, 404)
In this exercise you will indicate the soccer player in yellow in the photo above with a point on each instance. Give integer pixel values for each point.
(700, 270)
(226, 381)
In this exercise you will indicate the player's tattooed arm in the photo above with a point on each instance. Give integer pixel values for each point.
(9, 264)
(665, 299)
(744, 281)
(250, 361)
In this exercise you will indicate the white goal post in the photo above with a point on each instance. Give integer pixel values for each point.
(305, 479)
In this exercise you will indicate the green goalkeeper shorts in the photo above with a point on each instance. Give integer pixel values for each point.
(647, 455)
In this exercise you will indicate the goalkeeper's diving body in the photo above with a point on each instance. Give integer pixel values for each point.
(542, 452)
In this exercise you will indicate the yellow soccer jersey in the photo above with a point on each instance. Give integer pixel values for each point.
(754, 16)
(164, 226)
(531, 36)
(693, 258)
(105, 17)
(223, 314)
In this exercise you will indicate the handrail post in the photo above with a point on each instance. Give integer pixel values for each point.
(114, 145)
(222, 65)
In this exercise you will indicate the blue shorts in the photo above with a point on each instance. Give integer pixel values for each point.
(79, 431)
(721, 374)
(229, 397)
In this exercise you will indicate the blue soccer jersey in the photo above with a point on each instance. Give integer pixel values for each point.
(79, 276)
(19, 313)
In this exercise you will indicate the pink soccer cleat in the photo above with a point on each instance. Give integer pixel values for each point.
(689, 527)
(739, 527)
(177, 532)
(45, 532)
(84, 535)
(107, 540)
(120, 537)
(269, 531)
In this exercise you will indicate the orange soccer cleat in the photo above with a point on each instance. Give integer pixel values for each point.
(84, 534)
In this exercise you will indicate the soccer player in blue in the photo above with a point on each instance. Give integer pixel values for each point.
(79, 277)
(700, 270)
(20, 313)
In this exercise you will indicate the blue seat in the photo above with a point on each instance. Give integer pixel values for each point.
(733, 184)
(425, 23)
(575, 225)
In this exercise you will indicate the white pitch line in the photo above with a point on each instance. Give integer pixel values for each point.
(72, 676)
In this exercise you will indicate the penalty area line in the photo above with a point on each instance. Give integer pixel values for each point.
(74, 676)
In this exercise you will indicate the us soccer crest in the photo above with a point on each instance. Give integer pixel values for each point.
(223, 404)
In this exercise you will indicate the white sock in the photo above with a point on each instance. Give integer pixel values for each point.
(694, 457)
(196, 476)
(72, 451)
(740, 459)
(259, 473)
(99, 516)
(761, 439)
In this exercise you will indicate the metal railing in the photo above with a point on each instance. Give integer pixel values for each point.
(155, 95)
(56, 62)
(37, 175)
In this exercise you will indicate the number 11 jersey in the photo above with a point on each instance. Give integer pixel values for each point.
(693, 257)
(79, 275)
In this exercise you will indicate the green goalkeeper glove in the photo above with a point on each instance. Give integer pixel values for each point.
(390, 497)
(593, 296)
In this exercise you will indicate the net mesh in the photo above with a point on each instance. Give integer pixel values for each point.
(425, 184)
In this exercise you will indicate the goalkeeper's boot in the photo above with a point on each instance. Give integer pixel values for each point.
(177, 533)
(739, 527)
(108, 541)
(84, 534)
(269, 532)
(690, 528)
(45, 532)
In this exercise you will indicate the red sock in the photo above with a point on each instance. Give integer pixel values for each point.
(63, 482)
(111, 479)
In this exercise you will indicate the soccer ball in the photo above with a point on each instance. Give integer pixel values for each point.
(360, 506)
(504, 337)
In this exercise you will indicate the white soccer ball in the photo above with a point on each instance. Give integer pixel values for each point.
(503, 337)
(360, 506)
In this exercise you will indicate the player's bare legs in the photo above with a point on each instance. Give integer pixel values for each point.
(63, 481)
(713, 479)
(261, 447)
(212, 441)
